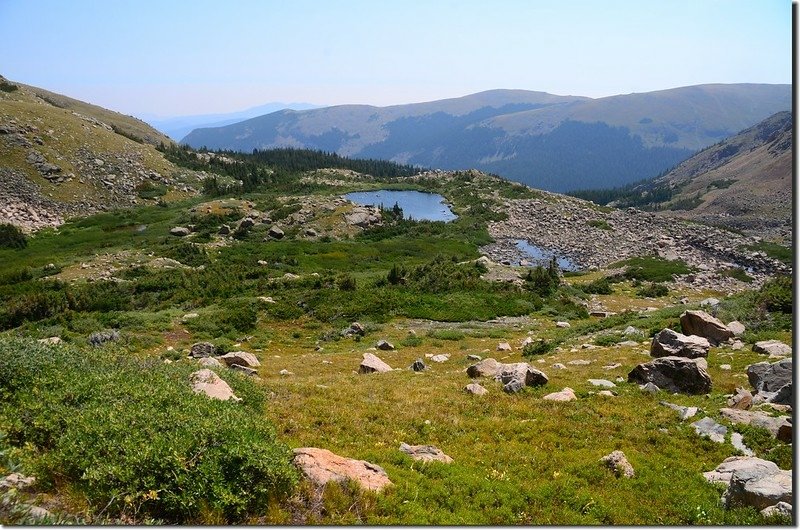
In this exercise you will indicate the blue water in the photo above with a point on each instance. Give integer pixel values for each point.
(542, 257)
(416, 205)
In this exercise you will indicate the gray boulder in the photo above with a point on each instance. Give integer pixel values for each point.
(384, 345)
(372, 364)
(710, 429)
(275, 233)
(516, 376)
(418, 365)
(758, 488)
(179, 231)
(669, 342)
(684, 413)
(773, 348)
(702, 324)
(202, 349)
(98, 338)
(766, 377)
(675, 374)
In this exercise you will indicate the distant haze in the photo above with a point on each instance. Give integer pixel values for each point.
(209, 57)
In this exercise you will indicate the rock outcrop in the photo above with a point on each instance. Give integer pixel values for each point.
(321, 466)
(671, 343)
(704, 325)
(675, 374)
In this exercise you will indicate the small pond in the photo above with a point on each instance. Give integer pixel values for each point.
(542, 257)
(415, 204)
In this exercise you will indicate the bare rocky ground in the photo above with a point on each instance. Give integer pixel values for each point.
(564, 225)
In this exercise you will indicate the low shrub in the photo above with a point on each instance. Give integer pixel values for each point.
(776, 295)
(11, 236)
(132, 438)
(599, 286)
(446, 334)
(738, 274)
(652, 290)
(652, 268)
(538, 347)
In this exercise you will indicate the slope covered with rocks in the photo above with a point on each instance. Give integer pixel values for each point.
(63, 158)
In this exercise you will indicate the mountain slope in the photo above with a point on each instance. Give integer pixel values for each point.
(552, 142)
(62, 157)
(743, 182)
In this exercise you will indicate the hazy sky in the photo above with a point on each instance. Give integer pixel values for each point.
(171, 57)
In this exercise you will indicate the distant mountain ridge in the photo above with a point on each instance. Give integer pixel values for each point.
(179, 126)
(551, 142)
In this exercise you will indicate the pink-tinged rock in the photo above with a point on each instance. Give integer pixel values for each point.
(486, 368)
(475, 389)
(371, 363)
(241, 358)
(321, 466)
(565, 395)
(207, 382)
(702, 324)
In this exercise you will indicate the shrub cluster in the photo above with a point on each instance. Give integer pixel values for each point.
(132, 437)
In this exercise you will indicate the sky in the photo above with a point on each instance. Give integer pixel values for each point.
(168, 58)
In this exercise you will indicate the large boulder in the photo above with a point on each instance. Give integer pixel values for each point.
(766, 377)
(722, 473)
(275, 233)
(702, 324)
(773, 348)
(486, 368)
(207, 382)
(516, 376)
(240, 358)
(371, 364)
(321, 466)
(668, 342)
(759, 489)
(201, 349)
(675, 374)
(425, 453)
